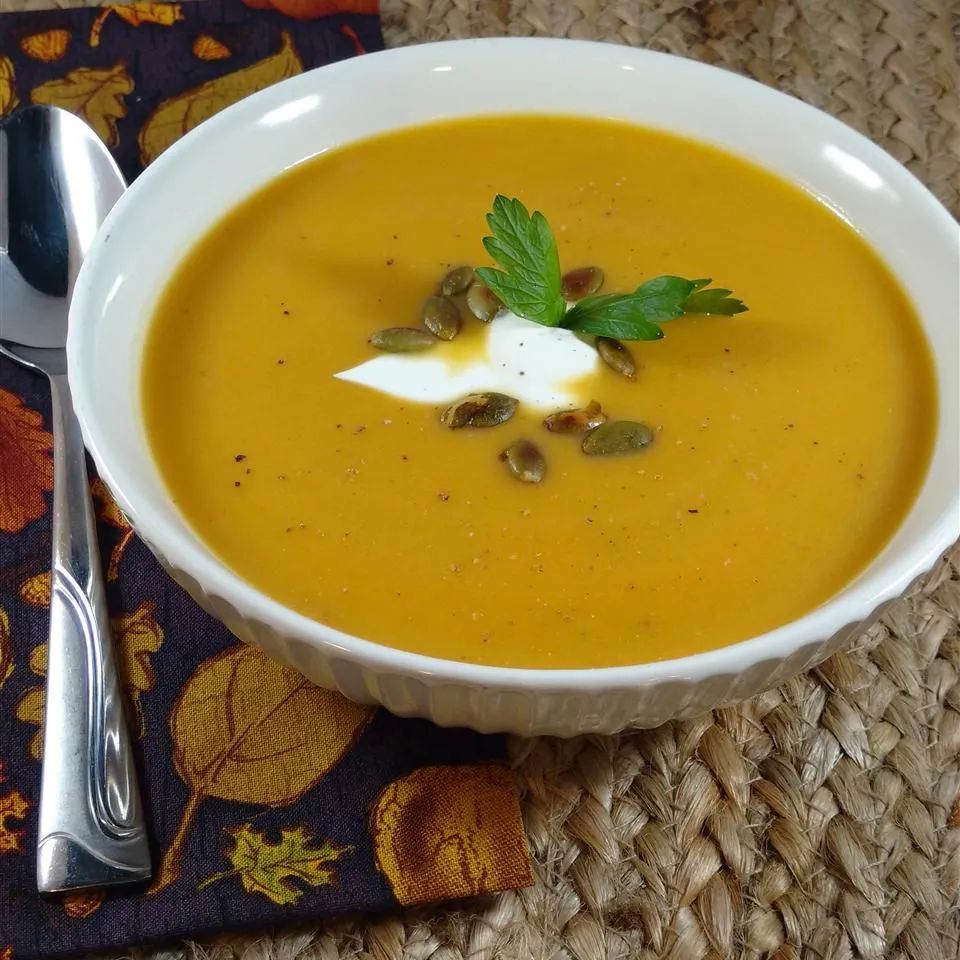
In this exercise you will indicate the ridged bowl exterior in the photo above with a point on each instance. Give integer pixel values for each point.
(226, 158)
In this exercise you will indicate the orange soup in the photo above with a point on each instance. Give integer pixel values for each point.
(788, 441)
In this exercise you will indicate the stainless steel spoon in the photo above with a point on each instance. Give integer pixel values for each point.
(57, 183)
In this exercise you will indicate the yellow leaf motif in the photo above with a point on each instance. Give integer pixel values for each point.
(264, 867)
(30, 710)
(109, 512)
(163, 14)
(8, 90)
(35, 590)
(137, 635)
(46, 47)
(30, 706)
(95, 95)
(246, 729)
(206, 47)
(13, 806)
(6, 647)
(180, 114)
(450, 831)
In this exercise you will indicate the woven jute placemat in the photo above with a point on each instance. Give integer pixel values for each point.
(819, 821)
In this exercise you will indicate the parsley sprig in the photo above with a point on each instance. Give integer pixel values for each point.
(529, 284)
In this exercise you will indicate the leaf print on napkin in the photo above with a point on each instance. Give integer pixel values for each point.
(79, 906)
(35, 590)
(30, 705)
(6, 647)
(48, 47)
(26, 469)
(246, 729)
(137, 635)
(8, 87)
(13, 806)
(162, 14)
(314, 9)
(180, 114)
(449, 831)
(206, 47)
(264, 867)
(109, 512)
(95, 95)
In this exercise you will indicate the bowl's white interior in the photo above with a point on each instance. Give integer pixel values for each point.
(216, 166)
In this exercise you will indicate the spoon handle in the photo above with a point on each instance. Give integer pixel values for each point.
(91, 825)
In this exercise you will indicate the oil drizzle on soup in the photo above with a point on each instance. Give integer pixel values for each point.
(791, 440)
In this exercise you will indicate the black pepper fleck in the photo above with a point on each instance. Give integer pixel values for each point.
(239, 457)
(693, 511)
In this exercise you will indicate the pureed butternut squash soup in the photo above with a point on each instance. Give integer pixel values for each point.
(750, 463)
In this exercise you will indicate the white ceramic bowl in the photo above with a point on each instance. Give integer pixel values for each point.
(217, 165)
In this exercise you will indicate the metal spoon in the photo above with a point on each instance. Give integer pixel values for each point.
(57, 183)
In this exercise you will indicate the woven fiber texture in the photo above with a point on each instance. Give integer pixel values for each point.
(820, 821)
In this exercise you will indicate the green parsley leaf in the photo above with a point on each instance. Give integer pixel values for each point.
(525, 249)
(529, 284)
(619, 315)
(715, 301)
(638, 315)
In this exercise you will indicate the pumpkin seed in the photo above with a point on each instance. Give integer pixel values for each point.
(479, 410)
(617, 436)
(483, 303)
(576, 421)
(456, 281)
(402, 340)
(582, 282)
(525, 461)
(441, 317)
(617, 357)
(590, 339)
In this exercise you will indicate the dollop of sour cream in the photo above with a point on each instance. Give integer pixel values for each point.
(539, 365)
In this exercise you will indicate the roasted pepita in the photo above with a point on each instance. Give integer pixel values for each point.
(582, 282)
(576, 421)
(525, 461)
(456, 281)
(617, 357)
(441, 317)
(402, 340)
(616, 437)
(482, 302)
(479, 410)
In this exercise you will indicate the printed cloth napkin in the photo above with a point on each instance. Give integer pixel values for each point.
(317, 805)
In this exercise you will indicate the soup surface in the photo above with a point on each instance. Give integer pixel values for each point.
(790, 439)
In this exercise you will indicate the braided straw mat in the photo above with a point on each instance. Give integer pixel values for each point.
(820, 821)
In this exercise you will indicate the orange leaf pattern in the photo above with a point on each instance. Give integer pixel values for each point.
(13, 806)
(206, 47)
(95, 95)
(49, 46)
(8, 86)
(26, 470)
(180, 114)
(448, 831)
(163, 14)
(312, 9)
(81, 905)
